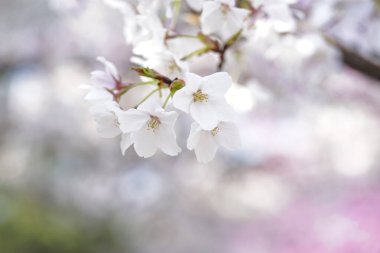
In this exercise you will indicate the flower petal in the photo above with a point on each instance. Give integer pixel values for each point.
(110, 67)
(106, 126)
(204, 114)
(167, 119)
(195, 4)
(144, 142)
(125, 143)
(101, 78)
(132, 120)
(281, 17)
(212, 17)
(217, 84)
(182, 100)
(97, 94)
(166, 141)
(209, 114)
(206, 149)
(222, 110)
(234, 21)
(193, 82)
(228, 135)
(194, 136)
(150, 105)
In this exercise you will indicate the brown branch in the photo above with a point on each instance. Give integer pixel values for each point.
(355, 60)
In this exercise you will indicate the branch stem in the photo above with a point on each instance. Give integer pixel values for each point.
(147, 96)
(134, 85)
(166, 101)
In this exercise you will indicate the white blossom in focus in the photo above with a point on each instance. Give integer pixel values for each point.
(204, 99)
(222, 18)
(205, 143)
(150, 128)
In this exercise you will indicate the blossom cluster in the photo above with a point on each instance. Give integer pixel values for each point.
(169, 38)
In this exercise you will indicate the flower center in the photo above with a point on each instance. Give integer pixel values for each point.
(172, 66)
(215, 131)
(224, 8)
(199, 96)
(154, 122)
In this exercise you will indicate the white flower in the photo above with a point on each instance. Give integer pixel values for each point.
(126, 142)
(222, 18)
(150, 128)
(105, 116)
(176, 46)
(155, 6)
(109, 78)
(206, 142)
(98, 95)
(279, 14)
(129, 15)
(203, 98)
(150, 37)
(165, 63)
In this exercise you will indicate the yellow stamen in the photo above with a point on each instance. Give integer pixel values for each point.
(199, 96)
(154, 122)
(215, 131)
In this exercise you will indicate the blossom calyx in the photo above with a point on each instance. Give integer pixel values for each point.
(151, 73)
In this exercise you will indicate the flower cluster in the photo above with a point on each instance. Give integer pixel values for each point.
(167, 62)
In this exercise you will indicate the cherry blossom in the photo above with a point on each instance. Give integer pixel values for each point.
(129, 15)
(222, 18)
(98, 95)
(150, 128)
(105, 117)
(150, 37)
(196, 5)
(205, 143)
(109, 78)
(164, 62)
(203, 98)
(278, 13)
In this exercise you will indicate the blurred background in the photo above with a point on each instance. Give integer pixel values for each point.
(307, 178)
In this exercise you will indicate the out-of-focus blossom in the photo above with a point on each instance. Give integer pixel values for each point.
(166, 63)
(221, 17)
(278, 13)
(109, 78)
(106, 119)
(98, 95)
(196, 5)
